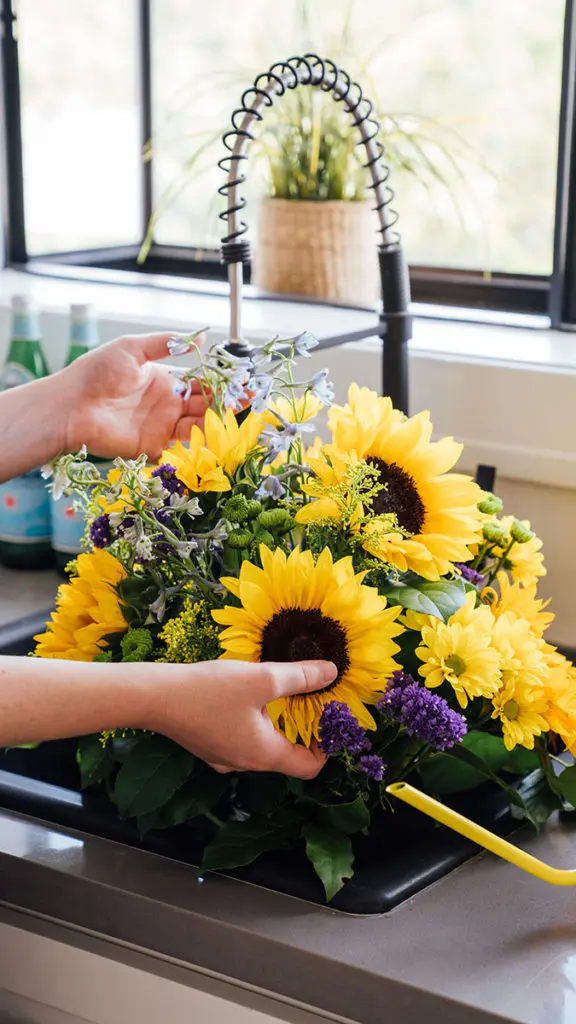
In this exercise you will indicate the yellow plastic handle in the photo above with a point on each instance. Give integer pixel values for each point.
(480, 835)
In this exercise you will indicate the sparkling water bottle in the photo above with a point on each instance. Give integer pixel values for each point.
(68, 526)
(24, 501)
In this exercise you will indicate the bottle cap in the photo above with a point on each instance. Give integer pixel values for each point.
(22, 304)
(82, 311)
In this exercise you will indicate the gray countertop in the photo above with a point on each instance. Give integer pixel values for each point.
(23, 593)
(485, 944)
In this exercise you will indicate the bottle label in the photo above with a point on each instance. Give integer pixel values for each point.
(14, 374)
(25, 510)
(68, 526)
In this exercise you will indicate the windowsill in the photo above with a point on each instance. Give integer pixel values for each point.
(478, 379)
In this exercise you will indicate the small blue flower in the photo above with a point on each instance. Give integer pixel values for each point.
(322, 388)
(304, 343)
(271, 487)
(235, 392)
(182, 386)
(180, 346)
(260, 384)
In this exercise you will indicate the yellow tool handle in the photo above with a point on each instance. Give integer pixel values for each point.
(446, 816)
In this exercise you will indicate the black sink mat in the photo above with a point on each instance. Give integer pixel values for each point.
(405, 853)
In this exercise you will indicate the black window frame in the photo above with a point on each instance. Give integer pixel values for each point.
(553, 296)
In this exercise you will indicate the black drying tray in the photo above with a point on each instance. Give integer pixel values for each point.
(405, 853)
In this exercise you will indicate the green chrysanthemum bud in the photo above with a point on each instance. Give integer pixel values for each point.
(262, 536)
(235, 509)
(490, 504)
(254, 508)
(136, 645)
(520, 533)
(273, 518)
(287, 526)
(495, 533)
(240, 539)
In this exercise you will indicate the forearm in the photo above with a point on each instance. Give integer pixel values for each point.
(43, 699)
(33, 423)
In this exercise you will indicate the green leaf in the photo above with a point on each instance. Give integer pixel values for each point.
(520, 761)
(150, 776)
(347, 818)
(194, 798)
(565, 783)
(538, 800)
(471, 759)
(260, 792)
(446, 773)
(94, 760)
(440, 599)
(331, 856)
(240, 842)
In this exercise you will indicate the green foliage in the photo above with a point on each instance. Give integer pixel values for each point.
(537, 800)
(151, 775)
(439, 599)
(94, 760)
(565, 784)
(137, 644)
(480, 757)
(331, 855)
(238, 843)
(197, 796)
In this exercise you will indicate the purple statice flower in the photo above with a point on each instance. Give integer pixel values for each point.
(126, 524)
(469, 574)
(424, 714)
(170, 481)
(271, 487)
(100, 532)
(372, 766)
(322, 388)
(340, 731)
(304, 342)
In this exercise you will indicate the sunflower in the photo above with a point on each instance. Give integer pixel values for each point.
(462, 656)
(521, 708)
(87, 610)
(214, 456)
(527, 560)
(294, 609)
(436, 511)
(520, 601)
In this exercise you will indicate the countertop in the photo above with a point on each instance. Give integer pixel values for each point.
(485, 944)
(24, 593)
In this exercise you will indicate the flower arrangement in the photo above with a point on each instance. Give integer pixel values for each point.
(257, 541)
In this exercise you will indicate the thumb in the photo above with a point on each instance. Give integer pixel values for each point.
(281, 679)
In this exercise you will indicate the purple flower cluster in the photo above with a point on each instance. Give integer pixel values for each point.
(100, 532)
(423, 713)
(170, 481)
(469, 574)
(340, 731)
(372, 766)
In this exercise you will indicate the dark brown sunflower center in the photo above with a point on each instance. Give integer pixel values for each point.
(295, 634)
(399, 495)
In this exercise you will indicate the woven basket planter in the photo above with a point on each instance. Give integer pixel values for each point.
(322, 249)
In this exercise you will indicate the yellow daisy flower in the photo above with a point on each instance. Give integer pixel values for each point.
(307, 407)
(523, 655)
(520, 601)
(468, 614)
(436, 510)
(462, 656)
(560, 691)
(293, 609)
(521, 708)
(215, 455)
(87, 610)
(527, 559)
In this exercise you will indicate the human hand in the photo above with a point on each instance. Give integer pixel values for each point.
(123, 403)
(217, 710)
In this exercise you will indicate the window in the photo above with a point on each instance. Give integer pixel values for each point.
(469, 90)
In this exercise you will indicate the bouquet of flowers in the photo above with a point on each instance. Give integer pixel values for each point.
(260, 542)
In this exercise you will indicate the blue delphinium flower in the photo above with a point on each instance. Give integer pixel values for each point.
(304, 343)
(271, 487)
(260, 386)
(322, 388)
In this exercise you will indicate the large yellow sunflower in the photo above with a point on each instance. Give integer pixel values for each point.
(293, 609)
(436, 511)
(87, 610)
(215, 455)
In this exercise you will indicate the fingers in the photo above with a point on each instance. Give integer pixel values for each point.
(292, 759)
(149, 347)
(281, 679)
